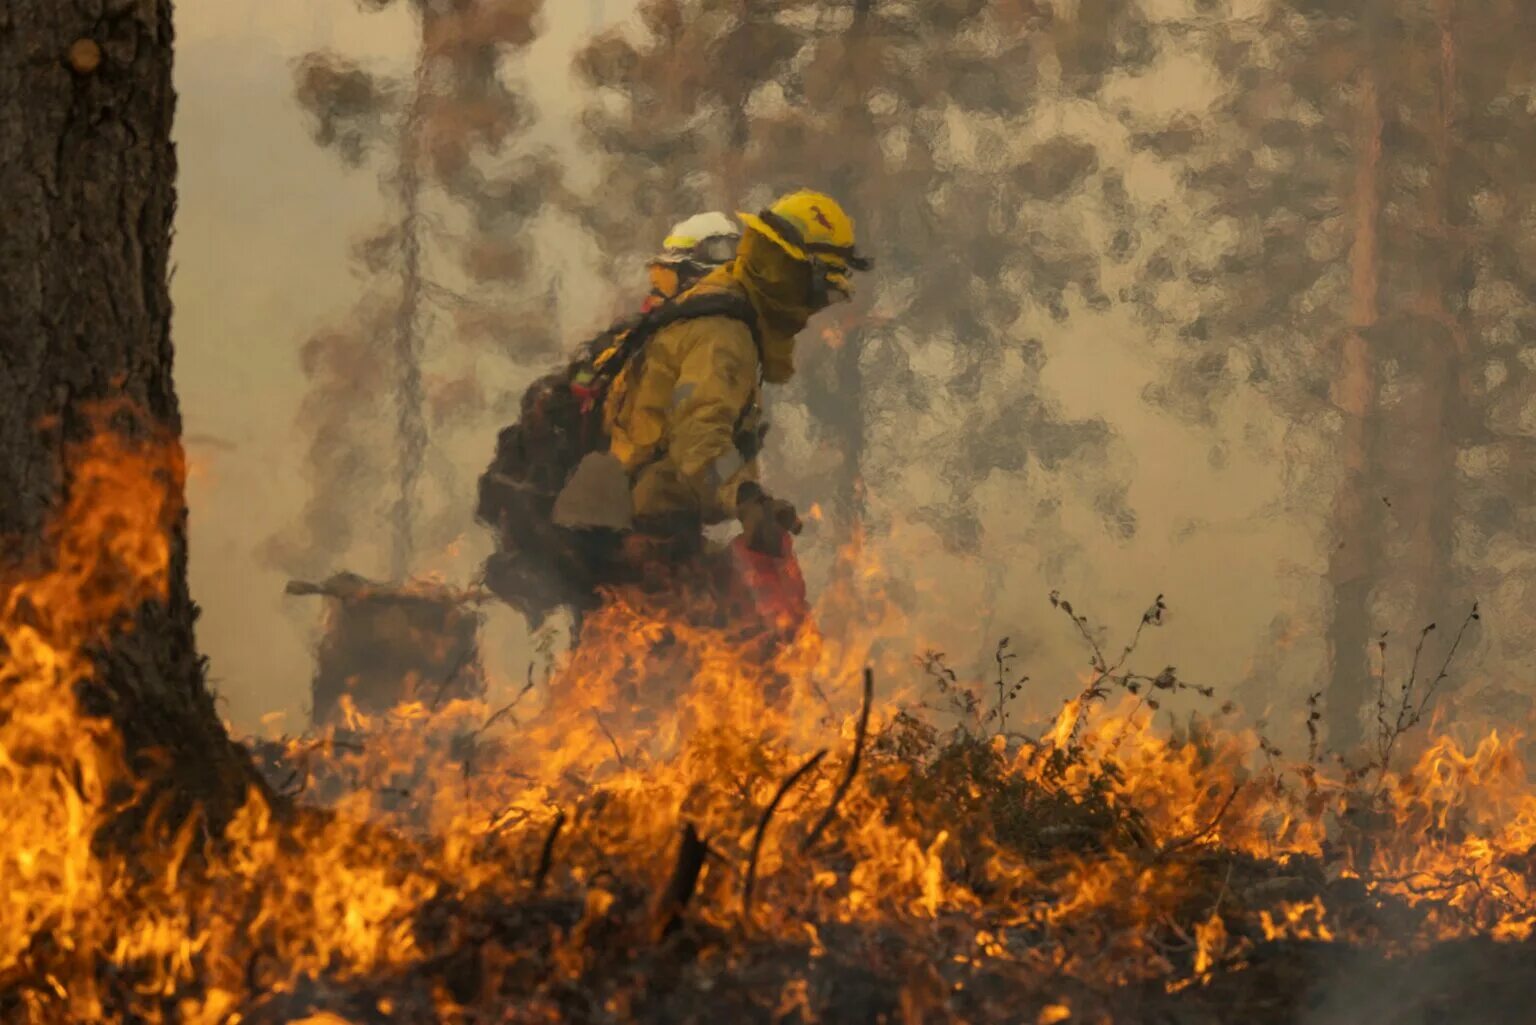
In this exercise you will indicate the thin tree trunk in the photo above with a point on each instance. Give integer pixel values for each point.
(849, 374)
(410, 417)
(733, 162)
(849, 357)
(1353, 563)
(1450, 294)
(87, 194)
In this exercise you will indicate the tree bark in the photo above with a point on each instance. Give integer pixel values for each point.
(87, 195)
(1448, 296)
(1354, 561)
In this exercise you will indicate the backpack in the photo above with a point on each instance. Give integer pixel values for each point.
(538, 565)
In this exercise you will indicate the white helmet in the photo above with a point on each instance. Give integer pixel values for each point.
(707, 240)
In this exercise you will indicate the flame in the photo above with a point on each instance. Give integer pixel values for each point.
(1095, 848)
(1212, 940)
(1297, 920)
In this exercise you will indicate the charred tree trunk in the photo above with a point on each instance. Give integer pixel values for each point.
(1354, 561)
(87, 193)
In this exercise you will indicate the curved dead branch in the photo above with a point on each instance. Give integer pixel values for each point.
(853, 766)
(1210, 827)
(762, 828)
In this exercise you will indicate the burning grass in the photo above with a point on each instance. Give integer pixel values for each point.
(674, 827)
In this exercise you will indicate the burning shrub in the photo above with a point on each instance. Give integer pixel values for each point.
(670, 831)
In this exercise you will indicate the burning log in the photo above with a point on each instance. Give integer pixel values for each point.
(385, 644)
(679, 890)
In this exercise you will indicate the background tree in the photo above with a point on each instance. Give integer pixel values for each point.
(1336, 269)
(1480, 293)
(87, 172)
(462, 198)
(1280, 291)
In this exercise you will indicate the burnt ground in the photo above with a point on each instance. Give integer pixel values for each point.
(517, 954)
(495, 965)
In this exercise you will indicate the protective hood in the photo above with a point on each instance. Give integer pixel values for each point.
(779, 288)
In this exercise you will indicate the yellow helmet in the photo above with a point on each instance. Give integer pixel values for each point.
(813, 227)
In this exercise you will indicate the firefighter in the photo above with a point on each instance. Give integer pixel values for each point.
(684, 419)
(538, 566)
(691, 249)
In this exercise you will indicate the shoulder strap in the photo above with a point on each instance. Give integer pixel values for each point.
(711, 304)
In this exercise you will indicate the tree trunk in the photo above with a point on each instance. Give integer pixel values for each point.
(410, 413)
(87, 194)
(1353, 562)
(1449, 295)
(1434, 419)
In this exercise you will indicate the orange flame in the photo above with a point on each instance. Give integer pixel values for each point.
(1084, 849)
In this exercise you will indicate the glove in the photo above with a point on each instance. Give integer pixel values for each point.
(766, 521)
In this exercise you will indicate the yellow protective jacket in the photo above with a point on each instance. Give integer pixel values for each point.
(681, 414)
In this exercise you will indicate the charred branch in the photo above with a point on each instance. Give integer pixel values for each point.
(547, 852)
(691, 854)
(852, 770)
(1205, 831)
(762, 828)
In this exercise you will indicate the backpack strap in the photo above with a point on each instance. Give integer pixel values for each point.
(698, 307)
(630, 348)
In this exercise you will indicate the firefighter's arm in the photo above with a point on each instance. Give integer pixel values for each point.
(716, 378)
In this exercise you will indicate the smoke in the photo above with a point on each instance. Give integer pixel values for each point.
(455, 252)
(341, 417)
(1471, 982)
(1100, 348)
